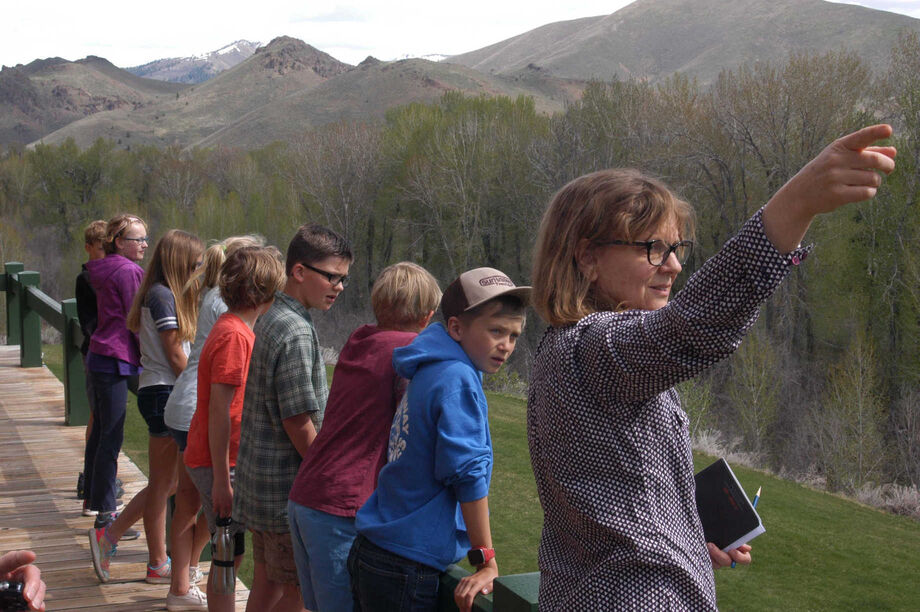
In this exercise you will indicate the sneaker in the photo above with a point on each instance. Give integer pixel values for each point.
(87, 511)
(81, 494)
(131, 534)
(105, 519)
(193, 600)
(195, 575)
(161, 574)
(102, 550)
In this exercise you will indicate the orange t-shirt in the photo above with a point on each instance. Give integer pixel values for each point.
(224, 359)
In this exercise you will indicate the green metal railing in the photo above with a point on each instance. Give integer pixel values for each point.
(26, 307)
(512, 593)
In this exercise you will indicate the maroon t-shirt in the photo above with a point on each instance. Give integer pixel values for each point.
(339, 471)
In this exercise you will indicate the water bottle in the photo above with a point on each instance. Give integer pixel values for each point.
(224, 579)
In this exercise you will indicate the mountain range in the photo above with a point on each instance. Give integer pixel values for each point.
(196, 68)
(288, 86)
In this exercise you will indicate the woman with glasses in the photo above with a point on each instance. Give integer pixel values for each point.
(113, 357)
(609, 443)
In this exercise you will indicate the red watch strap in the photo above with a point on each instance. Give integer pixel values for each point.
(480, 555)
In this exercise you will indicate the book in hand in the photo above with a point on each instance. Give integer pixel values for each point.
(729, 519)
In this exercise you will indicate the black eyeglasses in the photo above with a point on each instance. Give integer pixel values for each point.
(141, 239)
(334, 279)
(658, 251)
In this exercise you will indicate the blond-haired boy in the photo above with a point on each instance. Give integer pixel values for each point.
(440, 454)
(339, 471)
(93, 237)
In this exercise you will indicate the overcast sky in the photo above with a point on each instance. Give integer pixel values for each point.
(132, 33)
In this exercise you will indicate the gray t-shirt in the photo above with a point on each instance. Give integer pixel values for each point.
(184, 397)
(158, 314)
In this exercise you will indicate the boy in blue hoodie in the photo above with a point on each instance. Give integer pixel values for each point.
(430, 507)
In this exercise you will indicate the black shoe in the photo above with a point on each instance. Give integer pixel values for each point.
(81, 494)
(104, 519)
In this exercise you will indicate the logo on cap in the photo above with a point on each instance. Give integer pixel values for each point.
(499, 279)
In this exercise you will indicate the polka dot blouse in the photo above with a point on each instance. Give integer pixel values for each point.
(610, 445)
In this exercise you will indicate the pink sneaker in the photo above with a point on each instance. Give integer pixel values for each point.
(161, 574)
(102, 550)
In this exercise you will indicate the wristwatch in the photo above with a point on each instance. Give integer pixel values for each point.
(480, 555)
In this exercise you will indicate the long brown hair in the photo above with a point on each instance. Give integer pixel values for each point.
(615, 203)
(172, 264)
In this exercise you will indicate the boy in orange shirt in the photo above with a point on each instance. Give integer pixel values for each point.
(248, 282)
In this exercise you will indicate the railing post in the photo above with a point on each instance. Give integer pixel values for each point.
(13, 297)
(76, 403)
(30, 324)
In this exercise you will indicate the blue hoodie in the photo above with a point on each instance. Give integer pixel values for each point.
(439, 454)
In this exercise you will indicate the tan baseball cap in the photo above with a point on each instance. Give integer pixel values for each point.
(474, 287)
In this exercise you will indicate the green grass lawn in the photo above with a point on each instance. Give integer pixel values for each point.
(820, 552)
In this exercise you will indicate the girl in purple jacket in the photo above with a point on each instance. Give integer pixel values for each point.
(113, 355)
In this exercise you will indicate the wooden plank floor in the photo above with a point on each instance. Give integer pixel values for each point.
(40, 458)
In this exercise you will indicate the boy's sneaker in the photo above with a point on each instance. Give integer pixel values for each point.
(104, 519)
(161, 574)
(103, 550)
(193, 600)
(195, 575)
(81, 494)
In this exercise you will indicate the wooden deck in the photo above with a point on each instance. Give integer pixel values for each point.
(40, 458)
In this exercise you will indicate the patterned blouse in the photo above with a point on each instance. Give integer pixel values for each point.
(609, 442)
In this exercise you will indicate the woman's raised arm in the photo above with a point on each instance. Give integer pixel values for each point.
(846, 171)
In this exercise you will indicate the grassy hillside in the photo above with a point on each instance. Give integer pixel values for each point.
(283, 66)
(288, 87)
(820, 552)
(47, 94)
(367, 91)
(655, 38)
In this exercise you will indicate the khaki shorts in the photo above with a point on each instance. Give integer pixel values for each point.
(276, 552)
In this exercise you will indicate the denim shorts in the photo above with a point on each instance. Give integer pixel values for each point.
(381, 580)
(151, 402)
(321, 545)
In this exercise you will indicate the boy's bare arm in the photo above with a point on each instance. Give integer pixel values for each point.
(476, 517)
(219, 446)
(300, 430)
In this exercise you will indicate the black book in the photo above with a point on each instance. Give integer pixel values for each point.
(729, 519)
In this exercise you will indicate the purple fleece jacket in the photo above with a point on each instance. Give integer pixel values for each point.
(115, 279)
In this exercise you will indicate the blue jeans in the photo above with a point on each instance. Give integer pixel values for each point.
(321, 543)
(382, 581)
(100, 461)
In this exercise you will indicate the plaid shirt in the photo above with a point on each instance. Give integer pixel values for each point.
(287, 377)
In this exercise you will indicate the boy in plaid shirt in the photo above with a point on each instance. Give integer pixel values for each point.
(283, 408)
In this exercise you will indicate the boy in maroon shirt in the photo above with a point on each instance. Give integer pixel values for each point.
(339, 471)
